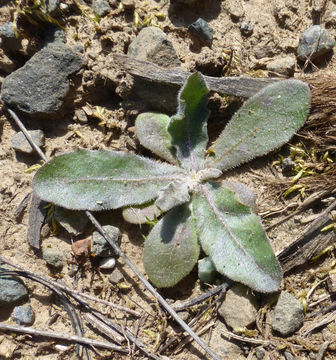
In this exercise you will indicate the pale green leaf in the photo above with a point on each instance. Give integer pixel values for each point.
(141, 214)
(152, 131)
(188, 128)
(102, 179)
(234, 239)
(171, 248)
(265, 122)
(175, 193)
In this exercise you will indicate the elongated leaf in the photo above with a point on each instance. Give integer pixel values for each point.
(171, 248)
(102, 179)
(152, 132)
(141, 214)
(234, 239)
(188, 127)
(265, 122)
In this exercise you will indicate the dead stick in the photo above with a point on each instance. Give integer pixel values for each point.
(118, 251)
(309, 243)
(235, 86)
(75, 294)
(63, 337)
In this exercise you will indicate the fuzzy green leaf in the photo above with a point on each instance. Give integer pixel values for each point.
(102, 179)
(188, 128)
(152, 131)
(234, 239)
(174, 194)
(141, 214)
(171, 248)
(265, 122)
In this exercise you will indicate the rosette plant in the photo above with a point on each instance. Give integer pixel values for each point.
(197, 208)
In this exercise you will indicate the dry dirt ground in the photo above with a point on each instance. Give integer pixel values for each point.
(277, 28)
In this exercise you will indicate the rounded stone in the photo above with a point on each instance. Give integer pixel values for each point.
(288, 314)
(53, 257)
(11, 290)
(23, 315)
(100, 247)
(314, 42)
(239, 308)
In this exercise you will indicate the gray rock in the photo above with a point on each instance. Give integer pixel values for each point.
(9, 41)
(226, 350)
(7, 31)
(201, 29)
(284, 66)
(289, 356)
(260, 353)
(116, 277)
(288, 314)
(20, 143)
(52, 7)
(246, 28)
(206, 270)
(54, 35)
(235, 9)
(23, 315)
(152, 44)
(240, 307)
(101, 7)
(12, 289)
(287, 166)
(40, 86)
(100, 247)
(53, 257)
(74, 222)
(184, 315)
(314, 42)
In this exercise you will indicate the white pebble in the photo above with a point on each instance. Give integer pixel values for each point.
(107, 263)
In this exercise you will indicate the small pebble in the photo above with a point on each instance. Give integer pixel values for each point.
(288, 314)
(184, 315)
(201, 29)
(100, 247)
(235, 9)
(107, 263)
(283, 66)
(116, 277)
(332, 283)
(7, 31)
(101, 7)
(81, 248)
(260, 353)
(246, 28)
(287, 166)
(53, 257)
(128, 4)
(239, 308)
(23, 315)
(20, 143)
(12, 290)
(314, 42)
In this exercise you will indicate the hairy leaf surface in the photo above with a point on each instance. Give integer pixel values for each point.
(171, 248)
(188, 128)
(102, 179)
(234, 239)
(152, 131)
(141, 214)
(265, 122)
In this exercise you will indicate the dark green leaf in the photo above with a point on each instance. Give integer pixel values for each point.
(171, 248)
(234, 239)
(188, 128)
